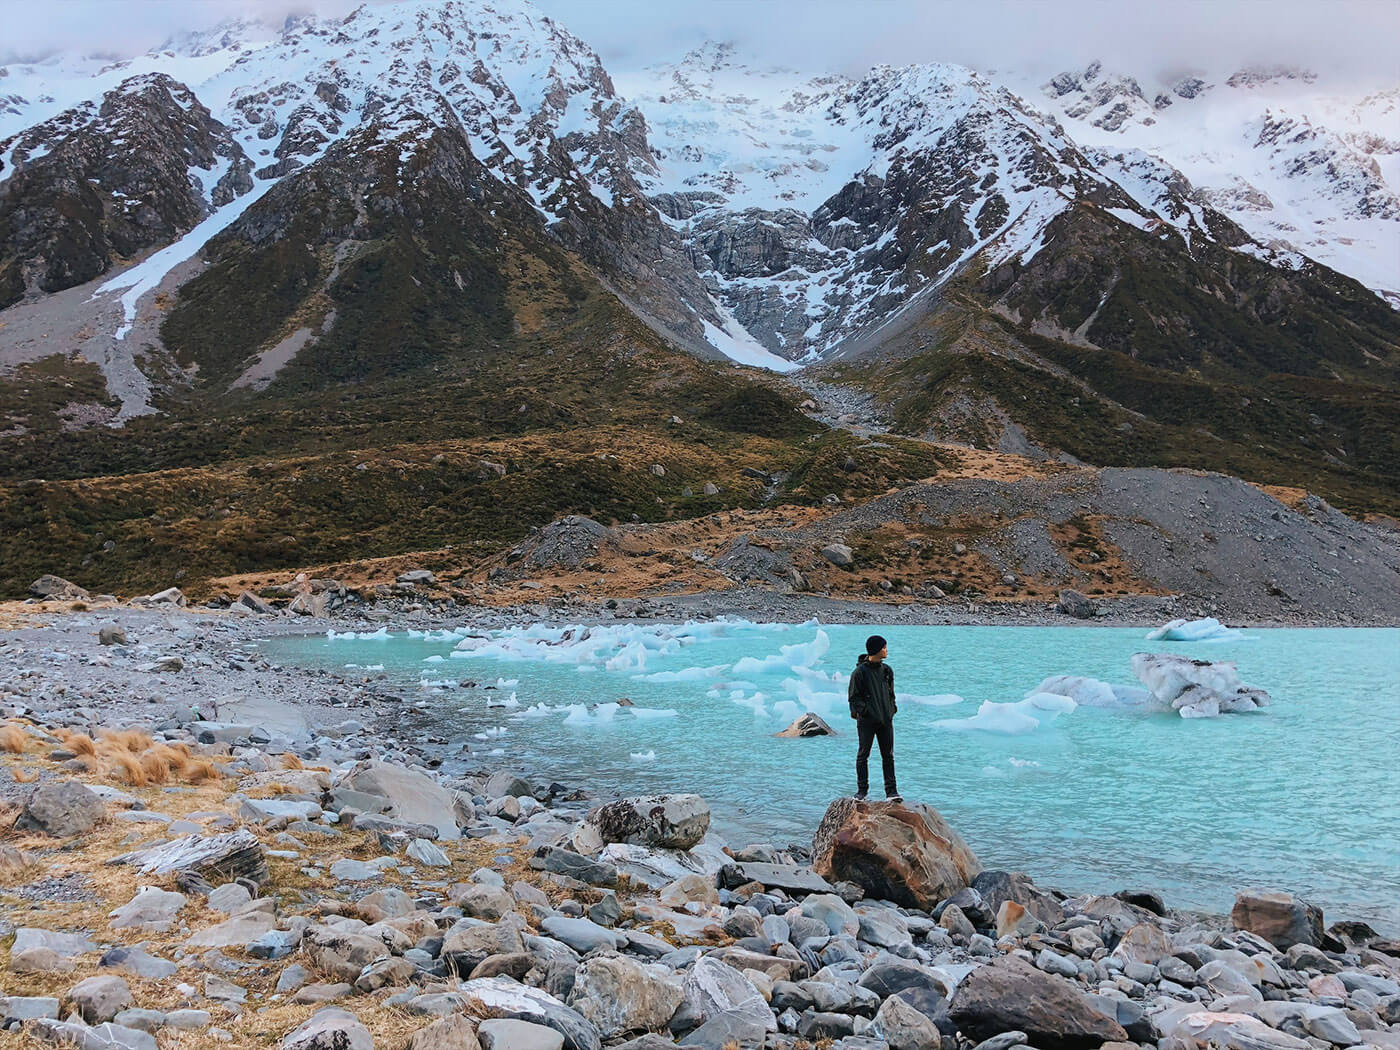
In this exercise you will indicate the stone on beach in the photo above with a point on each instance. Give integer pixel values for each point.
(62, 809)
(620, 996)
(236, 854)
(1011, 995)
(415, 797)
(658, 821)
(330, 1028)
(1280, 918)
(904, 853)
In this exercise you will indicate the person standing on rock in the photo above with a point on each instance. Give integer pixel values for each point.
(871, 693)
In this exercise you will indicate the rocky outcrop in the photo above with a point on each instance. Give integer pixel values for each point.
(105, 181)
(903, 853)
(55, 588)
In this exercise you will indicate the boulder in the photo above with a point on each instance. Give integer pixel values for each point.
(1011, 995)
(503, 997)
(330, 1028)
(620, 996)
(904, 853)
(839, 555)
(415, 797)
(582, 935)
(904, 1027)
(996, 887)
(1072, 603)
(656, 821)
(100, 999)
(453, 1032)
(55, 588)
(714, 988)
(1280, 918)
(465, 946)
(503, 1033)
(111, 634)
(62, 809)
(808, 725)
(151, 909)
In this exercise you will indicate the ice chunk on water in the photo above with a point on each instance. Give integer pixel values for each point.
(1090, 692)
(934, 700)
(687, 674)
(787, 658)
(1207, 629)
(1023, 716)
(1197, 688)
(646, 713)
(644, 756)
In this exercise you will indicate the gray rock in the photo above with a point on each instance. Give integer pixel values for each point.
(1331, 1024)
(619, 996)
(330, 1029)
(62, 809)
(139, 963)
(904, 1027)
(896, 975)
(453, 1032)
(424, 852)
(151, 909)
(415, 797)
(349, 870)
(1072, 603)
(581, 935)
(99, 999)
(188, 1020)
(506, 1034)
(107, 1036)
(148, 1021)
(1009, 995)
(111, 634)
(27, 1007)
(786, 877)
(728, 1031)
(815, 1026)
(63, 945)
(655, 821)
(713, 987)
(576, 866)
(839, 555)
(503, 997)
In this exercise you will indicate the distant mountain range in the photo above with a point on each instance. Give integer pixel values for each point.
(1205, 272)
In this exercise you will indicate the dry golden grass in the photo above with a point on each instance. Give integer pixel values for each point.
(132, 740)
(79, 743)
(24, 776)
(128, 768)
(291, 761)
(13, 739)
(202, 771)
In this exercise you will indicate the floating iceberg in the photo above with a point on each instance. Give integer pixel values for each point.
(1197, 688)
(1090, 692)
(1023, 716)
(1207, 630)
(934, 700)
(644, 756)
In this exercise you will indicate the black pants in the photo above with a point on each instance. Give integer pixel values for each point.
(868, 732)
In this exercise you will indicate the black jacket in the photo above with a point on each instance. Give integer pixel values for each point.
(871, 691)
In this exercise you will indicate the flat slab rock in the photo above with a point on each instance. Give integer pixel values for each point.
(787, 877)
(234, 855)
(1011, 995)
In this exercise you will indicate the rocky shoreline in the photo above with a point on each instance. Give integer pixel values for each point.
(207, 849)
(179, 881)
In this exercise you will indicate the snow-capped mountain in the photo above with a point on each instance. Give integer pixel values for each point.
(1300, 166)
(765, 215)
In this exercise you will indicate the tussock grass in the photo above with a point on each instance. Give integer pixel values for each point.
(291, 761)
(80, 744)
(24, 776)
(13, 739)
(128, 767)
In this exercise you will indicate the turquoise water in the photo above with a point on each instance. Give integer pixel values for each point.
(1303, 796)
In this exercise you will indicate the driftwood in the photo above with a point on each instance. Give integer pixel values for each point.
(236, 855)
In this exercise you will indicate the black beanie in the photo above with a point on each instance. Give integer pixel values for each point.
(874, 644)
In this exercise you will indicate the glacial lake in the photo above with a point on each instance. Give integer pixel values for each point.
(1303, 795)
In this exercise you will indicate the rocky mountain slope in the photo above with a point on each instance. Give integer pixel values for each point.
(438, 226)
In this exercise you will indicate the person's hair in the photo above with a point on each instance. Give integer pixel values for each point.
(874, 644)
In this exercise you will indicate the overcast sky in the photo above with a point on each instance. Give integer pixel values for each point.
(1354, 37)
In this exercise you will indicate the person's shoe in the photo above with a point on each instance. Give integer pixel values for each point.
(896, 797)
(859, 796)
